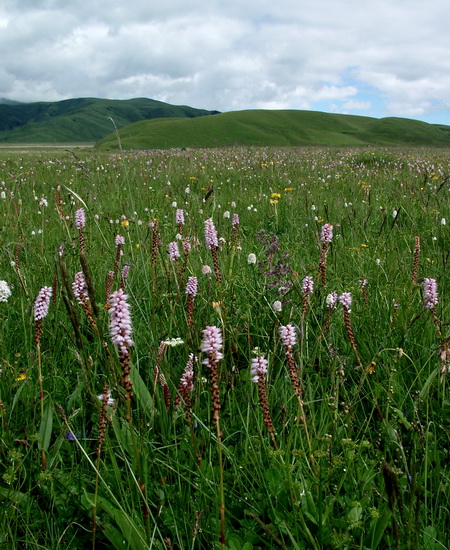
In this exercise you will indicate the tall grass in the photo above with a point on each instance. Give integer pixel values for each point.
(342, 443)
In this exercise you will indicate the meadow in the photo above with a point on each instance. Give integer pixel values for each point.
(234, 348)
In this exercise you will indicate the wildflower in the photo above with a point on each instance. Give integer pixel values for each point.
(251, 258)
(287, 334)
(443, 221)
(120, 240)
(109, 399)
(275, 196)
(206, 270)
(172, 342)
(211, 237)
(430, 293)
(5, 291)
(326, 235)
(43, 202)
(120, 321)
(79, 288)
(80, 218)
(331, 300)
(192, 286)
(125, 223)
(42, 303)
(226, 214)
(277, 306)
(235, 220)
(346, 300)
(212, 344)
(308, 285)
(174, 252)
(258, 368)
(179, 216)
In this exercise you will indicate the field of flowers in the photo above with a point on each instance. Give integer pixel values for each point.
(238, 348)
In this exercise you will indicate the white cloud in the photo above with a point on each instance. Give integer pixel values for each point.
(380, 58)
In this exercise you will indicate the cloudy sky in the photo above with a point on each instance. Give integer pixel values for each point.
(368, 57)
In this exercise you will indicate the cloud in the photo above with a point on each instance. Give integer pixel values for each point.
(379, 58)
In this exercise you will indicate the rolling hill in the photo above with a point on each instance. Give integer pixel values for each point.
(80, 120)
(278, 128)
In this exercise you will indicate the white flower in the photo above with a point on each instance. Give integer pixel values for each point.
(226, 214)
(251, 258)
(206, 270)
(313, 207)
(109, 399)
(378, 261)
(2, 195)
(174, 204)
(277, 306)
(443, 221)
(5, 291)
(394, 213)
(174, 342)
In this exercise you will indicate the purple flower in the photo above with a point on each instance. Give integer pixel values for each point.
(326, 235)
(346, 300)
(80, 218)
(187, 379)
(287, 335)
(120, 321)
(308, 285)
(179, 216)
(331, 299)
(186, 245)
(79, 288)
(42, 303)
(212, 344)
(212, 241)
(430, 291)
(120, 240)
(192, 286)
(258, 368)
(174, 252)
(235, 220)
(125, 271)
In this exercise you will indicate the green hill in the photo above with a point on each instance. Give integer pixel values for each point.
(80, 120)
(278, 128)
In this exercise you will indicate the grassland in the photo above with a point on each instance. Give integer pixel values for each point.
(343, 443)
(277, 129)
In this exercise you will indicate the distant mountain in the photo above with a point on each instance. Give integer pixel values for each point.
(5, 101)
(82, 119)
(278, 128)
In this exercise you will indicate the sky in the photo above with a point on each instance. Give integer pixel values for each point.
(364, 57)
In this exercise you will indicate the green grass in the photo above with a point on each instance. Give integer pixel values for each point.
(375, 471)
(278, 129)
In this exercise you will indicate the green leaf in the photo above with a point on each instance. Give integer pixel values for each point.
(143, 397)
(377, 529)
(428, 383)
(45, 430)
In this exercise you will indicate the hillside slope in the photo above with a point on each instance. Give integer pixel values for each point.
(278, 128)
(82, 119)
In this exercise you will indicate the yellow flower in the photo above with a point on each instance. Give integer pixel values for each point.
(273, 201)
(364, 245)
(138, 246)
(22, 376)
(215, 305)
(287, 189)
(192, 178)
(124, 223)
(275, 196)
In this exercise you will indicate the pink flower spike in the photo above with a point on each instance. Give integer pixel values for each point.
(211, 238)
(174, 252)
(192, 286)
(287, 335)
(430, 293)
(42, 303)
(212, 344)
(326, 235)
(235, 220)
(346, 300)
(179, 216)
(258, 368)
(80, 218)
(120, 321)
(79, 288)
(120, 240)
(308, 285)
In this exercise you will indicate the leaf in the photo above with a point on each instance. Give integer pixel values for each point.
(46, 428)
(141, 392)
(377, 529)
(428, 383)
